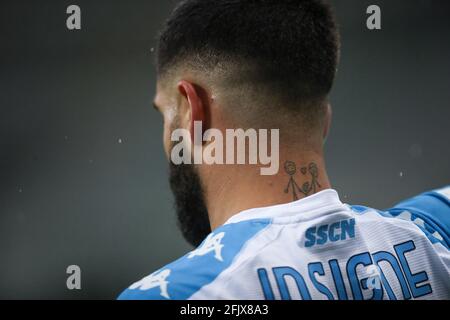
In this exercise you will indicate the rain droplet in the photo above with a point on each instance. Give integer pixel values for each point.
(401, 174)
(119, 141)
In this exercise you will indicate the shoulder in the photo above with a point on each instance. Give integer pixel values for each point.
(429, 210)
(181, 279)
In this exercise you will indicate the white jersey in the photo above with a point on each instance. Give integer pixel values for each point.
(316, 248)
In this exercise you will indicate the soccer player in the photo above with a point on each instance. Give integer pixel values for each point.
(271, 64)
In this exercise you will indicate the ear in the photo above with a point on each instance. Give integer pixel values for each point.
(327, 123)
(198, 105)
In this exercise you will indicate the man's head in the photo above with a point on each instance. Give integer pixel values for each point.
(244, 63)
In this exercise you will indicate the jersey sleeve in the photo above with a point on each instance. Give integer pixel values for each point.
(430, 211)
(199, 268)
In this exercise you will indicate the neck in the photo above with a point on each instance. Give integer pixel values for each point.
(230, 189)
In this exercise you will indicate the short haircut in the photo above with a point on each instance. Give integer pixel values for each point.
(290, 46)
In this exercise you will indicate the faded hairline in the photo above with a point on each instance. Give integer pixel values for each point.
(249, 98)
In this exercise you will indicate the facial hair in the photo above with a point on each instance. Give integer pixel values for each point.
(190, 206)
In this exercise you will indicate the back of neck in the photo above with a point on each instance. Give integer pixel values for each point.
(230, 189)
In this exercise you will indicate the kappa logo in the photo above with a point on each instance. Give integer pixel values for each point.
(406, 215)
(211, 243)
(153, 281)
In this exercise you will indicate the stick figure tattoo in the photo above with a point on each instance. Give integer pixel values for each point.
(309, 186)
(291, 169)
(312, 168)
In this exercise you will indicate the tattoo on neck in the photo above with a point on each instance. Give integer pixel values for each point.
(309, 186)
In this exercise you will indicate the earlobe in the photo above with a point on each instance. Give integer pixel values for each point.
(196, 104)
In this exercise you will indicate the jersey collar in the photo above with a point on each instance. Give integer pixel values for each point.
(315, 205)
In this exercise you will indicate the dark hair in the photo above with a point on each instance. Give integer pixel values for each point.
(292, 44)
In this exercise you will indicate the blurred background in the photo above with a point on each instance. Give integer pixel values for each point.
(83, 178)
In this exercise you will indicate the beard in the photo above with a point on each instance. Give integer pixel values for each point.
(190, 206)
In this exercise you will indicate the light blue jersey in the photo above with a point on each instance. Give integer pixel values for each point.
(316, 248)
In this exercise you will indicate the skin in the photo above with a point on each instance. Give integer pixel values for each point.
(230, 189)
